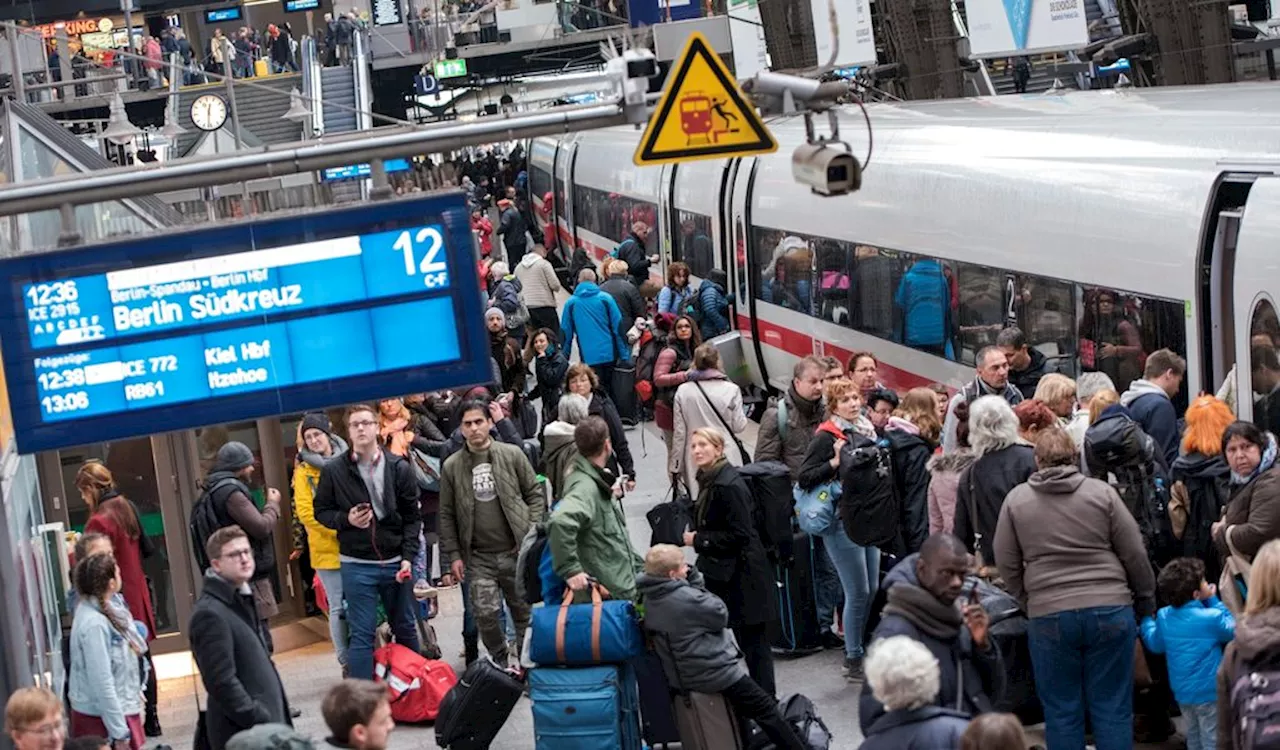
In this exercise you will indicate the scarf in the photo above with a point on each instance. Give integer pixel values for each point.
(860, 426)
(1268, 460)
(705, 477)
(122, 620)
(923, 609)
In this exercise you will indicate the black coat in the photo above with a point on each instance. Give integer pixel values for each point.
(817, 469)
(984, 678)
(550, 370)
(632, 250)
(927, 728)
(602, 406)
(630, 303)
(1207, 481)
(1027, 380)
(243, 685)
(730, 554)
(341, 488)
(984, 485)
(911, 454)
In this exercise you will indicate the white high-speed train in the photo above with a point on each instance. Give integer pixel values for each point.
(1105, 224)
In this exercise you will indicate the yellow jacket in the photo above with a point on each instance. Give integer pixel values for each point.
(322, 539)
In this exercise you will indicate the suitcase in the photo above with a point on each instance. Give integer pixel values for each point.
(799, 632)
(658, 726)
(261, 69)
(474, 711)
(584, 708)
(706, 722)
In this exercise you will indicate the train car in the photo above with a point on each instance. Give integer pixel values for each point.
(1106, 225)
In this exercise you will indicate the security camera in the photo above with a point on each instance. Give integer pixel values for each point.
(825, 169)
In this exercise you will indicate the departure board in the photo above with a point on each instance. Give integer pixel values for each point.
(230, 323)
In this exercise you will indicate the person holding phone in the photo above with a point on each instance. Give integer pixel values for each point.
(370, 496)
(930, 602)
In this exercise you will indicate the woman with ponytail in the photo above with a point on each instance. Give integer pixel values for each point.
(115, 516)
(106, 681)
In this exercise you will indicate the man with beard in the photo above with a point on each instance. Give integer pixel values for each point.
(922, 592)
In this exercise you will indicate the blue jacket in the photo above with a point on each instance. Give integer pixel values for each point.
(674, 301)
(924, 297)
(105, 678)
(1193, 636)
(594, 317)
(715, 309)
(927, 728)
(1151, 408)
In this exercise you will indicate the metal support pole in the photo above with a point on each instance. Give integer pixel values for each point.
(235, 123)
(70, 234)
(130, 65)
(381, 189)
(19, 85)
(311, 156)
(65, 71)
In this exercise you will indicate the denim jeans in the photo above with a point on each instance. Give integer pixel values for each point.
(827, 584)
(1083, 660)
(1202, 725)
(332, 582)
(859, 571)
(363, 585)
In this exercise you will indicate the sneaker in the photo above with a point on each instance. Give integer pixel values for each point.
(422, 591)
(831, 641)
(853, 670)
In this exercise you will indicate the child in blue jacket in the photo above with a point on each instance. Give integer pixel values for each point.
(1192, 630)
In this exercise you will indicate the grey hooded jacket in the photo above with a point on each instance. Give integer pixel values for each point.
(690, 630)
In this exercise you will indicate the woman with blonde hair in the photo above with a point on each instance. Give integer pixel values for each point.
(1201, 481)
(116, 517)
(913, 433)
(731, 555)
(1058, 392)
(1102, 400)
(1257, 644)
(33, 719)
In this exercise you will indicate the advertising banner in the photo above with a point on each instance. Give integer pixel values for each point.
(857, 41)
(746, 29)
(1001, 28)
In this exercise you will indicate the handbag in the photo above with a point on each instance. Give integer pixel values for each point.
(602, 632)
(816, 508)
(426, 469)
(671, 519)
(1233, 584)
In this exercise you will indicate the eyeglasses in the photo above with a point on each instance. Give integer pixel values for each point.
(46, 730)
(363, 424)
(239, 554)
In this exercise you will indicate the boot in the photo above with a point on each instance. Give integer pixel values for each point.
(152, 724)
(471, 648)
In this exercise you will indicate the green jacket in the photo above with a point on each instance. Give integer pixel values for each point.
(588, 534)
(522, 498)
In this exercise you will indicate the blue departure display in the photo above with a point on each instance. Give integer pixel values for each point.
(223, 324)
(222, 14)
(356, 171)
(292, 6)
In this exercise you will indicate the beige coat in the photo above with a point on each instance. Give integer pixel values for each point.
(693, 411)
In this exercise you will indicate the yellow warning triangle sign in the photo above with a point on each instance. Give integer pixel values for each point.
(702, 114)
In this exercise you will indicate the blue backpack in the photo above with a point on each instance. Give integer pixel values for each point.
(816, 508)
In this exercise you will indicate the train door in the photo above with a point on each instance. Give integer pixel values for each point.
(696, 217)
(746, 261)
(1256, 303)
(1216, 294)
(566, 152)
(668, 228)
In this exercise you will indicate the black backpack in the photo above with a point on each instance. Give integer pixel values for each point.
(774, 506)
(801, 714)
(205, 520)
(1255, 698)
(869, 497)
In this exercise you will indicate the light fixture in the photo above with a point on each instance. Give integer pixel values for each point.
(298, 109)
(119, 130)
(171, 129)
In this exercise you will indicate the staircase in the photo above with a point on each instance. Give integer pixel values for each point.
(260, 104)
(1042, 75)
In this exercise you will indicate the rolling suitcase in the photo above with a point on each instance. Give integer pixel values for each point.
(473, 712)
(623, 392)
(584, 708)
(799, 633)
(706, 722)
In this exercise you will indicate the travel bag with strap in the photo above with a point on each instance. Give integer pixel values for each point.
(602, 632)
(416, 685)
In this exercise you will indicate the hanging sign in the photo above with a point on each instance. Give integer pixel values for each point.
(1003, 28)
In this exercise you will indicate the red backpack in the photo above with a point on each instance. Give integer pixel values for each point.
(417, 685)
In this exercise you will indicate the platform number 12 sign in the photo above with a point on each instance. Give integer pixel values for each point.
(422, 250)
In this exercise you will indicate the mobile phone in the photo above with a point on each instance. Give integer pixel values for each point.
(363, 507)
(971, 586)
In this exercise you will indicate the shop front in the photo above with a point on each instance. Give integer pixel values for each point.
(92, 35)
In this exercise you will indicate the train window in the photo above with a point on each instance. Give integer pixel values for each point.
(693, 243)
(834, 281)
(1118, 330)
(786, 273)
(1045, 311)
(1264, 377)
(562, 200)
(925, 306)
(982, 309)
(609, 216)
(539, 181)
(876, 275)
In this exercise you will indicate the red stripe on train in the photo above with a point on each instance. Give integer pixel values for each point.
(803, 344)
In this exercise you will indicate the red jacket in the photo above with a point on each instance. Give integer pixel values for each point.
(129, 557)
(484, 229)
